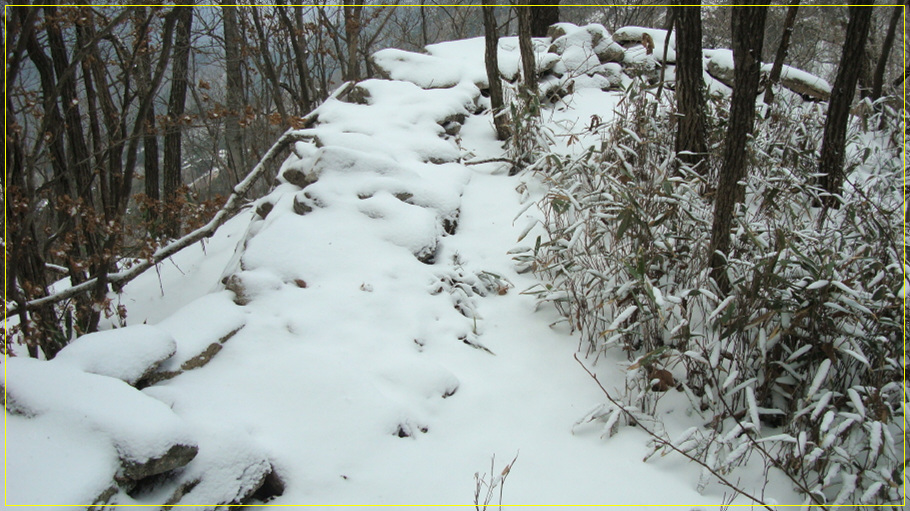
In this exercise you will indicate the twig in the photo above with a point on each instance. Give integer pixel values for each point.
(491, 160)
(669, 444)
(233, 204)
(761, 449)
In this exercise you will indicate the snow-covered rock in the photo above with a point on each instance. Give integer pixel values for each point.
(129, 354)
(453, 62)
(720, 65)
(200, 329)
(631, 38)
(591, 39)
(129, 435)
(423, 70)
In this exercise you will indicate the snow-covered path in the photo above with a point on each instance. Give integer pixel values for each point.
(367, 341)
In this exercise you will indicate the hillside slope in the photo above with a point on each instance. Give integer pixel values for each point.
(359, 335)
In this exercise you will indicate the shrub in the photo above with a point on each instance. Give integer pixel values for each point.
(808, 345)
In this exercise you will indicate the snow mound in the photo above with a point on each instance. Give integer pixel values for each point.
(577, 46)
(423, 70)
(129, 354)
(228, 469)
(631, 38)
(451, 63)
(211, 319)
(130, 435)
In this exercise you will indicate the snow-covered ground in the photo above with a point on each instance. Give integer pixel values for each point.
(367, 341)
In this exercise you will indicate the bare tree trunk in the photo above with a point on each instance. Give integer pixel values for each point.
(233, 131)
(173, 158)
(878, 79)
(152, 179)
(491, 59)
(544, 14)
(748, 31)
(831, 160)
(690, 135)
(527, 50)
(352, 12)
(782, 50)
(423, 22)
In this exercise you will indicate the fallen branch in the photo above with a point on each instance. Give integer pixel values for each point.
(233, 204)
(491, 160)
(664, 442)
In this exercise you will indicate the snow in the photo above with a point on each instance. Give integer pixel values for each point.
(634, 34)
(127, 354)
(791, 73)
(83, 425)
(364, 353)
(199, 324)
(79, 461)
(454, 62)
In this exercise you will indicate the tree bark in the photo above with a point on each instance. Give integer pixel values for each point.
(173, 158)
(544, 14)
(690, 135)
(748, 25)
(352, 31)
(782, 50)
(527, 50)
(878, 78)
(491, 59)
(152, 186)
(233, 131)
(831, 160)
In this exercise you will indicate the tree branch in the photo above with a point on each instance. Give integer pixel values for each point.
(233, 204)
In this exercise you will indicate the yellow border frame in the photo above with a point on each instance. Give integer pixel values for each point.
(5, 283)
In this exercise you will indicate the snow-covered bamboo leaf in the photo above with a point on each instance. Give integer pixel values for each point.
(819, 378)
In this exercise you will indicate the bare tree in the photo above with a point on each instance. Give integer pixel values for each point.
(528, 66)
(690, 134)
(543, 14)
(782, 50)
(173, 162)
(352, 24)
(831, 160)
(491, 58)
(233, 131)
(878, 78)
(150, 134)
(748, 31)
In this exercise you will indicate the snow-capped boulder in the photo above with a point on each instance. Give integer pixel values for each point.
(577, 45)
(720, 65)
(129, 354)
(131, 436)
(200, 328)
(425, 71)
(611, 70)
(632, 37)
(229, 469)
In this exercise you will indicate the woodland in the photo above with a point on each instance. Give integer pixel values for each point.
(715, 199)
